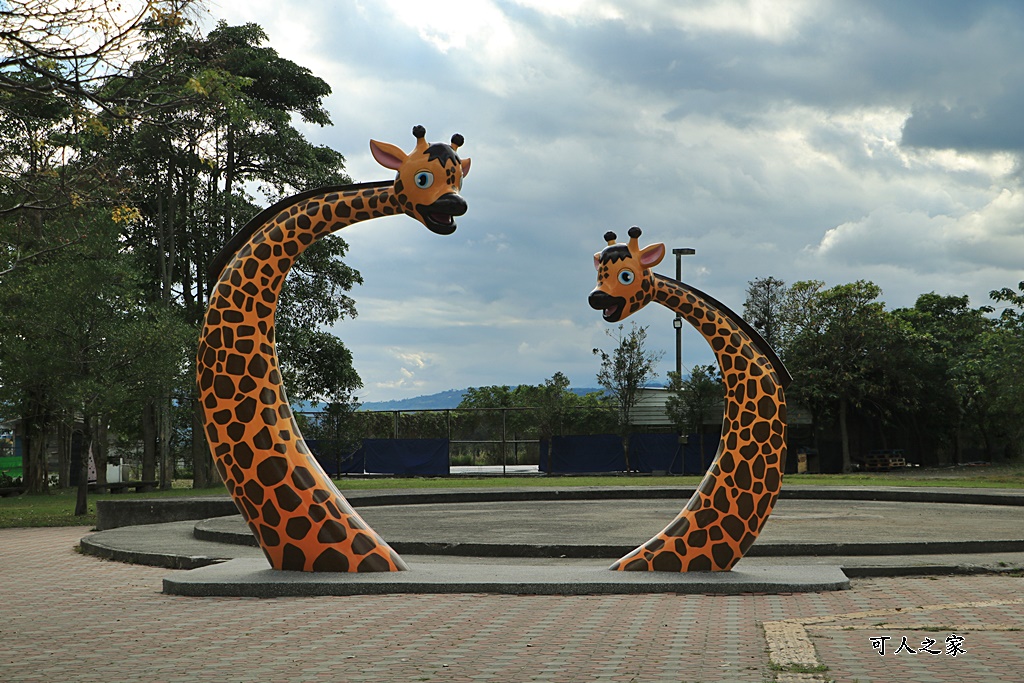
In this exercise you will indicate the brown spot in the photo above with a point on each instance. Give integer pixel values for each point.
(269, 536)
(699, 564)
(697, 539)
(362, 544)
(330, 560)
(667, 562)
(287, 498)
(677, 528)
(263, 441)
(254, 492)
(293, 559)
(734, 526)
(223, 387)
(723, 554)
(303, 478)
(332, 532)
(373, 563)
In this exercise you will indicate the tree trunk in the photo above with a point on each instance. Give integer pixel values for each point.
(202, 470)
(164, 443)
(99, 454)
(958, 446)
(149, 439)
(33, 458)
(229, 180)
(844, 436)
(63, 454)
(82, 503)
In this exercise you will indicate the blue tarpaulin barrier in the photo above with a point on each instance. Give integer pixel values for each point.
(411, 457)
(663, 452)
(655, 452)
(351, 463)
(692, 461)
(593, 453)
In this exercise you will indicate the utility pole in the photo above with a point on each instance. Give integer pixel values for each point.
(677, 322)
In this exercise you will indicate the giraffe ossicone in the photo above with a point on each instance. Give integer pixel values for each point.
(730, 506)
(300, 519)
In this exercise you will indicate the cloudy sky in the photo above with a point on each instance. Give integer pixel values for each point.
(802, 139)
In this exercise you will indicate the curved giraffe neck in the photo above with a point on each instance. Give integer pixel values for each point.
(299, 517)
(726, 512)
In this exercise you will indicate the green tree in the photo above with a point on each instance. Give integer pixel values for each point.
(626, 370)
(188, 172)
(950, 367)
(533, 411)
(68, 288)
(763, 308)
(691, 401)
(847, 353)
(335, 429)
(1004, 346)
(80, 346)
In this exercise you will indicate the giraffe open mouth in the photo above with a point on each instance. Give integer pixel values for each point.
(439, 217)
(612, 313)
(610, 306)
(441, 223)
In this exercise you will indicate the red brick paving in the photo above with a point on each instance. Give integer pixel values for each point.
(69, 617)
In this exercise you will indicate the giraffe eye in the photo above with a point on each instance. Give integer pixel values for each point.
(626, 276)
(424, 179)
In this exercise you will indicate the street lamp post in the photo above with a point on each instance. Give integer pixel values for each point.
(677, 322)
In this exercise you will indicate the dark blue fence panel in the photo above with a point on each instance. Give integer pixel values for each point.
(692, 461)
(655, 452)
(414, 457)
(335, 466)
(593, 453)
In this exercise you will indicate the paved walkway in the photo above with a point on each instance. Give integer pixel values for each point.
(68, 617)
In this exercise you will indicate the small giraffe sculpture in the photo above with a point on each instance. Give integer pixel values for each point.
(301, 520)
(733, 501)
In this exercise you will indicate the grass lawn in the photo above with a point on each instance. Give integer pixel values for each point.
(57, 508)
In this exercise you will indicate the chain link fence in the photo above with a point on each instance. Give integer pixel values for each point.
(476, 436)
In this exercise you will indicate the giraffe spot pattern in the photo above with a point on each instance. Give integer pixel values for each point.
(301, 520)
(729, 507)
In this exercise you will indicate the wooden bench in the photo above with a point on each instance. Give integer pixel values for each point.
(883, 462)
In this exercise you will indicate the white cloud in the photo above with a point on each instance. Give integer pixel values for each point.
(769, 136)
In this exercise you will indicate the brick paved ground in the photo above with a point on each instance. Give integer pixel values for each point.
(68, 617)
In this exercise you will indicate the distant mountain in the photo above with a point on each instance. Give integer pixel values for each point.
(440, 401)
(445, 400)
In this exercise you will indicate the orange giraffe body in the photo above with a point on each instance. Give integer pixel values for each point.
(732, 503)
(299, 517)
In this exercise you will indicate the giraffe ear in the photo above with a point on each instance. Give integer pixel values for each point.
(387, 155)
(597, 261)
(652, 255)
(465, 167)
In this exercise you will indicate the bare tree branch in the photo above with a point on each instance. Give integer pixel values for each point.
(24, 259)
(75, 47)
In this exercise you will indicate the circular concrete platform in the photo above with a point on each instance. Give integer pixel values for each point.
(610, 528)
(562, 540)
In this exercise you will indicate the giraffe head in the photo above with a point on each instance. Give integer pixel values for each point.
(429, 179)
(624, 279)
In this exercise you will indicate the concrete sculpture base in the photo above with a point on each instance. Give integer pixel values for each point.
(253, 578)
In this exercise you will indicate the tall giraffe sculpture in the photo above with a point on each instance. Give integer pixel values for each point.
(727, 511)
(301, 520)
